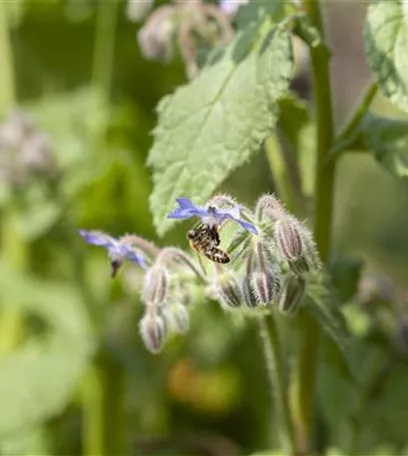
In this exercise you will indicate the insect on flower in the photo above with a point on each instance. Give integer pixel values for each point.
(206, 239)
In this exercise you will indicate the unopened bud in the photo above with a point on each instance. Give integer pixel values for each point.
(179, 318)
(266, 286)
(288, 238)
(299, 266)
(137, 10)
(292, 294)
(153, 330)
(156, 285)
(248, 293)
(228, 290)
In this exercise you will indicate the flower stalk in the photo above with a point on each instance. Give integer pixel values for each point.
(305, 379)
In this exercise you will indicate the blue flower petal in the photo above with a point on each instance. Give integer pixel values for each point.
(136, 257)
(97, 238)
(187, 210)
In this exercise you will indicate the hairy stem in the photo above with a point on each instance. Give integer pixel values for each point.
(304, 387)
(275, 365)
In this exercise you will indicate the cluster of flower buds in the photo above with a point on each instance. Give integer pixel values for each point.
(168, 275)
(276, 252)
(273, 257)
(24, 151)
(192, 24)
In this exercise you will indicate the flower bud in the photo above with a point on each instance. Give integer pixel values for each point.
(153, 330)
(299, 266)
(266, 286)
(248, 293)
(228, 290)
(137, 10)
(292, 294)
(179, 318)
(156, 285)
(288, 238)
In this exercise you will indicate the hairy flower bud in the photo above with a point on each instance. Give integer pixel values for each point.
(156, 285)
(266, 286)
(292, 294)
(137, 10)
(153, 330)
(248, 293)
(179, 318)
(288, 238)
(228, 290)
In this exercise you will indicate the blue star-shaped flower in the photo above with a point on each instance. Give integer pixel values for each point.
(118, 251)
(211, 215)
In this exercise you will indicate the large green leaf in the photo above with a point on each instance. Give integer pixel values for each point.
(37, 380)
(214, 124)
(388, 140)
(386, 44)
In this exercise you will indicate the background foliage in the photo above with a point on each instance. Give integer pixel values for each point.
(74, 375)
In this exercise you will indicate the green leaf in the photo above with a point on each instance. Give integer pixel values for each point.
(388, 140)
(45, 371)
(386, 44)
(214, 124)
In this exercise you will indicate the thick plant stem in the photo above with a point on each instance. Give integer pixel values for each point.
(102, 408)
(277, 379)
(13, 249)
(304, 387)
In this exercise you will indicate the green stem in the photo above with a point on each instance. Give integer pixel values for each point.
(13, 247)
(7, 86)
(304, 390)
(93, 414)
(277, 379)
(347, 135)
(106, 21)
(104, 418)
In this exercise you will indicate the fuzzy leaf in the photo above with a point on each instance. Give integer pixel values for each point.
(388, 140)
(214, 124)
(386, 44)
(45, 371)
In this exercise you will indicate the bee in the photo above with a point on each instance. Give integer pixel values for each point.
(206, 239)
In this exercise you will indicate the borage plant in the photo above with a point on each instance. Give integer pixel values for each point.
(241, 62)
(240, 65)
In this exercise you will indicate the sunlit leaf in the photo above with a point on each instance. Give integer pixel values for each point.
(386, 43)
(214, 124)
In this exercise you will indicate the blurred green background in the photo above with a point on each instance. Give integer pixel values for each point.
(74, 376)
